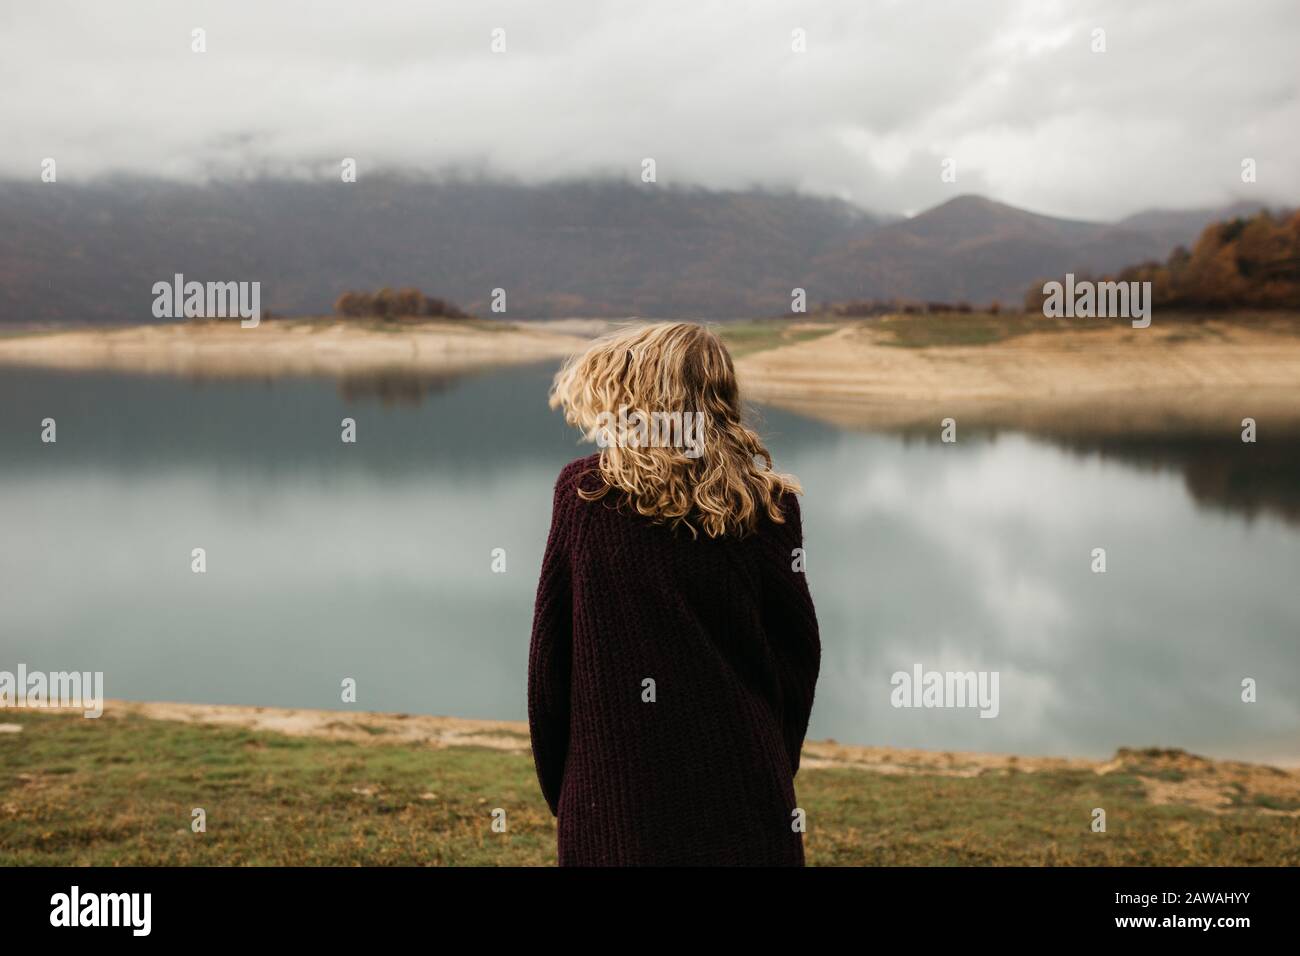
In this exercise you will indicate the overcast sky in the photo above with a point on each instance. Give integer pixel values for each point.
(1010, 89)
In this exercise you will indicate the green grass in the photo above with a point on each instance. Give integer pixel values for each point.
(120, 791)
(1271, 802)
(1026, 819)
(758, 335)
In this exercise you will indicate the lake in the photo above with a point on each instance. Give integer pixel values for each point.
(373, 560)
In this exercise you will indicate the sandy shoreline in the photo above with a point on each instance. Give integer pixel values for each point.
(1169, 776)
(1103, 379)
(1107, 379)
(305, 347)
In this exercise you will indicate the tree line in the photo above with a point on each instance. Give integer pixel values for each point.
(1238, 263)
(392, 304)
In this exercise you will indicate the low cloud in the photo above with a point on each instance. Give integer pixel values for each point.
(885, 92)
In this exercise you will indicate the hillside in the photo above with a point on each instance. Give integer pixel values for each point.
(91, 253)
(976, 250)
(72, 253)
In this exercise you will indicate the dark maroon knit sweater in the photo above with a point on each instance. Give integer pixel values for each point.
(727, 632)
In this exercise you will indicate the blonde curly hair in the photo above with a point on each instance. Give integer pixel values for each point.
(719, 479)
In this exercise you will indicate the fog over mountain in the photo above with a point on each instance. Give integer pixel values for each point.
(840, 147)
(858, 101)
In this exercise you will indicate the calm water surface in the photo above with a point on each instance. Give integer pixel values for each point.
(372, 560)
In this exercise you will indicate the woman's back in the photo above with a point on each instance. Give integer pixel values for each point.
(670, 682)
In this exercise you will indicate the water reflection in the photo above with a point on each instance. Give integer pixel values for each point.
(1220, 471)
(372, 560)
(1226, 474)
(396, 386)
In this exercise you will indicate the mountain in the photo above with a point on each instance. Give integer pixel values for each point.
(91, 253)
(977, 250)
(1181, 222)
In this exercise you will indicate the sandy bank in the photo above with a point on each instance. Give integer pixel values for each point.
(1175, 377)
(325, 347)
(1170, 776)
(1194, 376)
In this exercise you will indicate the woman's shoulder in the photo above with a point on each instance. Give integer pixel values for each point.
(788, 532)
(788, 502)
(579, 473)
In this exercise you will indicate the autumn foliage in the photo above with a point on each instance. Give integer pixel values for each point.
(1239, 263)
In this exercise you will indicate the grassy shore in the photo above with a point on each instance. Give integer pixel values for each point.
(348, 788)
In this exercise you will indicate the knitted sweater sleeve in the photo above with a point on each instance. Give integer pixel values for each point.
(791, 625)
(550, 650)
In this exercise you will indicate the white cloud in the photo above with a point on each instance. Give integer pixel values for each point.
(712, 91)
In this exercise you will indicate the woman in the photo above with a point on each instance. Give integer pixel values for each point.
(674, 649)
